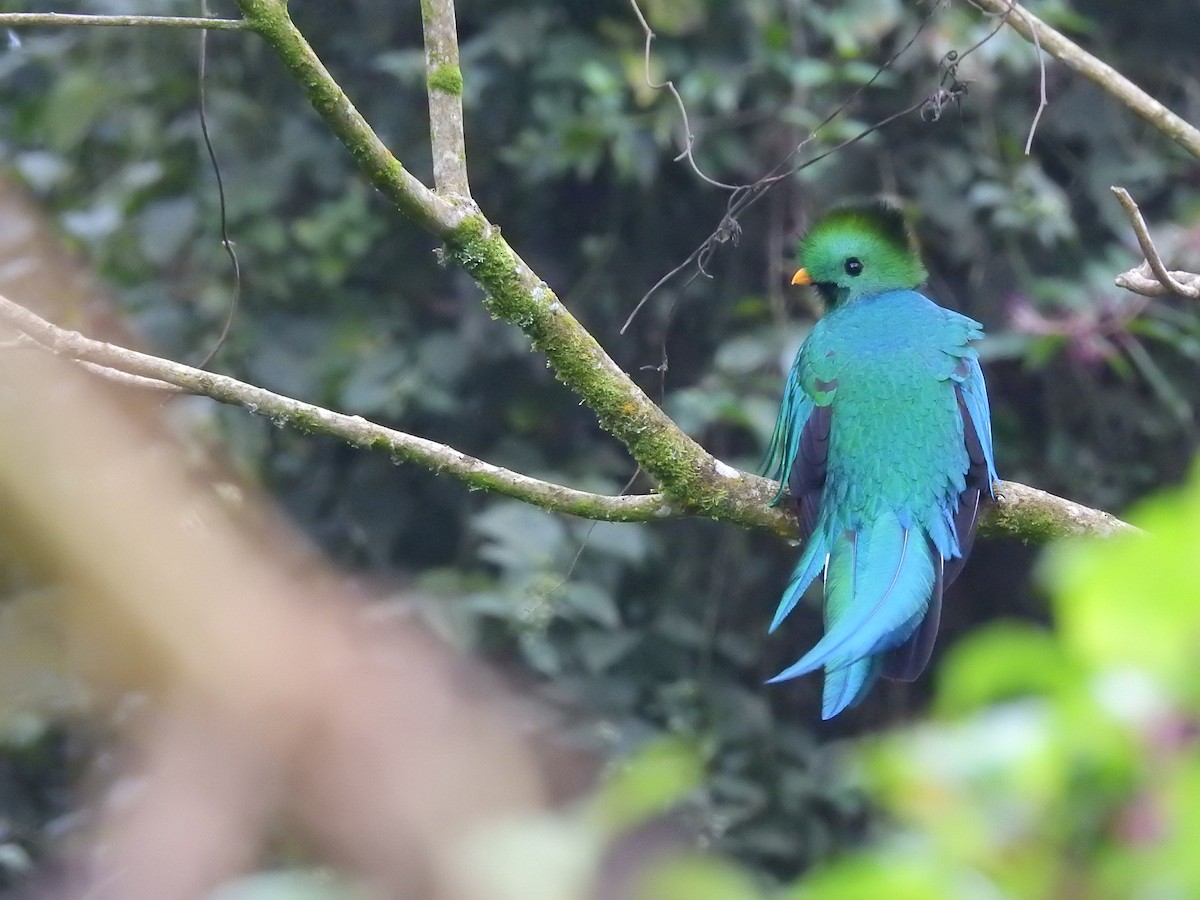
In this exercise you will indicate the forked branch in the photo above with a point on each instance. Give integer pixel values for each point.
(692, 481)
(1152, 278)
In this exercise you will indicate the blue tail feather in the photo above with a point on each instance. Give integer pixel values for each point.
(877, 588)
(810, 564)
(846, 686)
(908, 660)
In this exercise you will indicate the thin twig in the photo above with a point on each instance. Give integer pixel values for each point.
(688, 136)
(746, 195)
(1165, 278)
(146, 370)
(30, 20)
(1042, 101)
(234, 266)
(1104, 75)
(444, 83)
(125, 379)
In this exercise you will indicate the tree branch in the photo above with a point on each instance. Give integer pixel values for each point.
(444, 82)
(693, 481)
(1109, 79)
(29, 20)
(1019, 511)
(691, 477)
(436, 215)
(128, 367)
(1035, 515)
(1182, 284)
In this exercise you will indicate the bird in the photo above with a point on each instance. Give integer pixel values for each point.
(883, 449)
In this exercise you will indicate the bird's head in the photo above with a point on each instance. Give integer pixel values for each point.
(859, 250)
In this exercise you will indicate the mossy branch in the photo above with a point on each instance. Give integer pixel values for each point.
(692, 478)
(1036, 516)
(444, 80)
(270, 19)
(693, 481)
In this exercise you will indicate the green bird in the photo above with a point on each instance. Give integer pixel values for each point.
(883, 446)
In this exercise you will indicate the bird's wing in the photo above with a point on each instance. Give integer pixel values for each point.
(806, 479)
(797, 458)
(794, 411)
(971, 393)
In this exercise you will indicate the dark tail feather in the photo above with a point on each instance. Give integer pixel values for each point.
(966, 517)
(806, 480)
(908, 661)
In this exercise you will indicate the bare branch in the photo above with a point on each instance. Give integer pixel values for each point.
(30, 20)
(1143, 281)
(1109, 79)
(1042, 101)
(1187, 285)
(444, 82)
(142, 370)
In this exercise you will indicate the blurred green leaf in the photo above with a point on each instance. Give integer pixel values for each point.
(697, 878)
(647, 783)
(1131, 601)
(1000, 661)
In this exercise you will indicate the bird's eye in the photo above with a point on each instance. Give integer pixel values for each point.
(853, 266)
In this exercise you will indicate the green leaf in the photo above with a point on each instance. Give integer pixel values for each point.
(998, 662)
(648, 783)
(1132, 600)
(697, 878)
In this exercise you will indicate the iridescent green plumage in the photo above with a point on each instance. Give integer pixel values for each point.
(883, 443)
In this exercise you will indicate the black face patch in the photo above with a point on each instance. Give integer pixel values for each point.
(828, 291)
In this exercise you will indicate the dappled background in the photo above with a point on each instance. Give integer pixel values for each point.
(634, 630)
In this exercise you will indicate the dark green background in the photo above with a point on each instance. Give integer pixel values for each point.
(637, 628)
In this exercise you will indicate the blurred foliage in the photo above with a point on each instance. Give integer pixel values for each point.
(1059, 763)
(648, 629)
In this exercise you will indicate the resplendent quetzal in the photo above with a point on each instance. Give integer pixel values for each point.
(884, 446)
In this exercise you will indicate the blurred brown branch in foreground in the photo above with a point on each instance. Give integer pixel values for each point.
(269, 692)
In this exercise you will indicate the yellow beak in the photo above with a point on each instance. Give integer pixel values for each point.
(802, 277)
